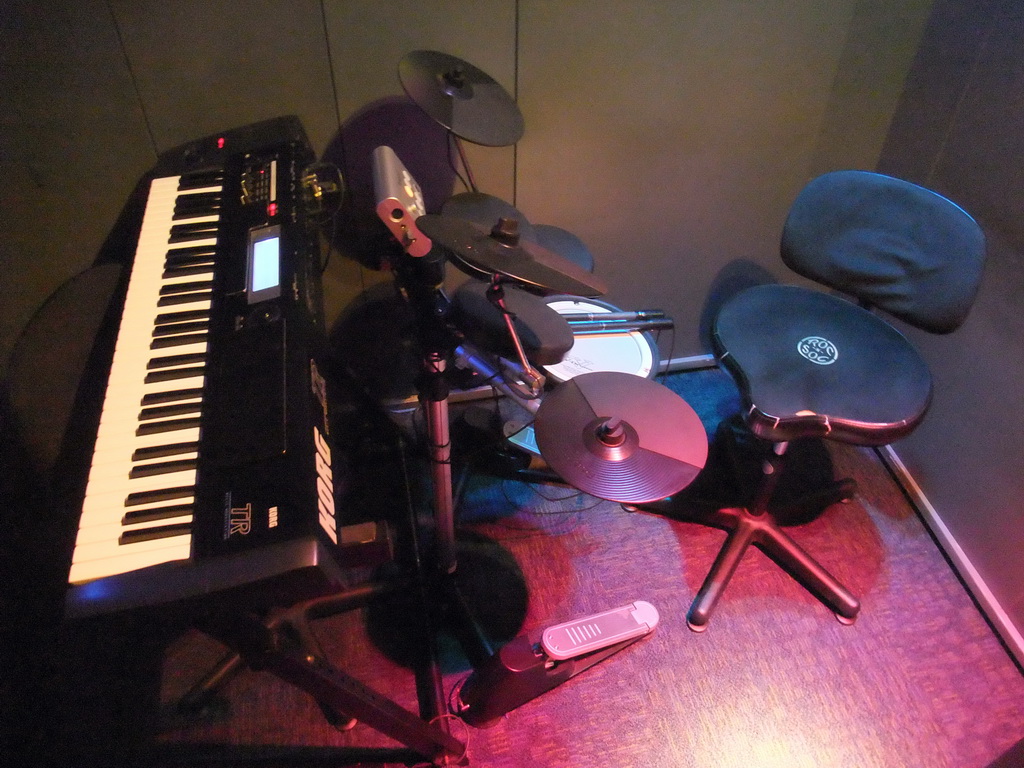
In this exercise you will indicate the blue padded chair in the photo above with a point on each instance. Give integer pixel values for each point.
(811, 364)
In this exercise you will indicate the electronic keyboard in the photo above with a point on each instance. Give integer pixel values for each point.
(214, 466)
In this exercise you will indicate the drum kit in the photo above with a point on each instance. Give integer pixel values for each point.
(602, 424)
(658, 444)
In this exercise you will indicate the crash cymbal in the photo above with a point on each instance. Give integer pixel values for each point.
(484, 210)
(621, 437)
(462, 98)
(502, 252)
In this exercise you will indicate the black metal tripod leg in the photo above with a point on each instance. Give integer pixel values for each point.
(332, 689)
(811, 574)
(199, 696)
(729, 557)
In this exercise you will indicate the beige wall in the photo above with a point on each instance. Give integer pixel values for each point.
(669, 135)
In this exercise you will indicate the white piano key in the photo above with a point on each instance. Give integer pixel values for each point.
(116, 458)
(126, 558)
(115, 476)
(108, 519)
(98, 553)
(110, 532)
(109, 486)
(121, 444)
(118, 447)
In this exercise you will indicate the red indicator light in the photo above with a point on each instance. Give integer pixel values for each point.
(272, 209)
(220, 143)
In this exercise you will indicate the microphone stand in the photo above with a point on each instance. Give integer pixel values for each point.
(420, 280)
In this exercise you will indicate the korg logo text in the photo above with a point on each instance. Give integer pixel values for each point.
(325, 486)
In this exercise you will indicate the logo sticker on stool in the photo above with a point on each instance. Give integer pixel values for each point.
(818, 350)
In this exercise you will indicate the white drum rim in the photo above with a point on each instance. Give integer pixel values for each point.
(561, 372)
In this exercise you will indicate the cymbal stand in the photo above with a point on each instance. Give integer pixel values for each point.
(464, 161)
(434, 393)
(524, 668)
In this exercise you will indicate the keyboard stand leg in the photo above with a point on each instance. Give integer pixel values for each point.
(284, 646)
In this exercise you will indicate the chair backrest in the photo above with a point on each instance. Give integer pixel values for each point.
(889, 243)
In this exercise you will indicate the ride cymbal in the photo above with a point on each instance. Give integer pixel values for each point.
(462, 98)
(621, 437)
(502, 252)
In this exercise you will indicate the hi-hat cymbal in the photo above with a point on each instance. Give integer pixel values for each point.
(484, 210)
(462, 98)
(621, 437)
(501, 252)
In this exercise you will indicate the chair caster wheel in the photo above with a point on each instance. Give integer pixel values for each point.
(845, 620)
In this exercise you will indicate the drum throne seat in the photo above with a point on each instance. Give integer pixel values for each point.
(812, 365)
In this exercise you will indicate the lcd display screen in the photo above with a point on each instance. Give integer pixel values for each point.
(264, 264)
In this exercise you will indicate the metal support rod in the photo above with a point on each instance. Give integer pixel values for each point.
(470, 357)
(465, 162)
(440, 448)
(496, 295)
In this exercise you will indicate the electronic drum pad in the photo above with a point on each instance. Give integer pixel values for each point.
(621, 437)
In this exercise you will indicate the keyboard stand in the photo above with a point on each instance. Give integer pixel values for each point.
(284, 646)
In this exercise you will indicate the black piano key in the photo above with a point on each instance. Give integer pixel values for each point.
(168, 342)
(171, 425)
(193, 226)
(198, 200)
(163, 411)
(191, 250)
(183, 233)
(206, 177)
(200, 269)
(171, 396)
(156, 532)
(140, 498)
(149, 514)
(198, 203)
(185, 327)
(188, 262)
(193, 206)
(169, 361)
(161, 468)
(192, 213)
(209, 196)
(170, 374)
(184, 298)
(185, 250)
(180, 260)
(163, 451)
(185, 315)
(194, 285)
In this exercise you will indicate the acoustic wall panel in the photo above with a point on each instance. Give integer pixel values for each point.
(72, 146)
(367, 42)
(203, 66)
(369, 39)
(959, 131)
(672, 136)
